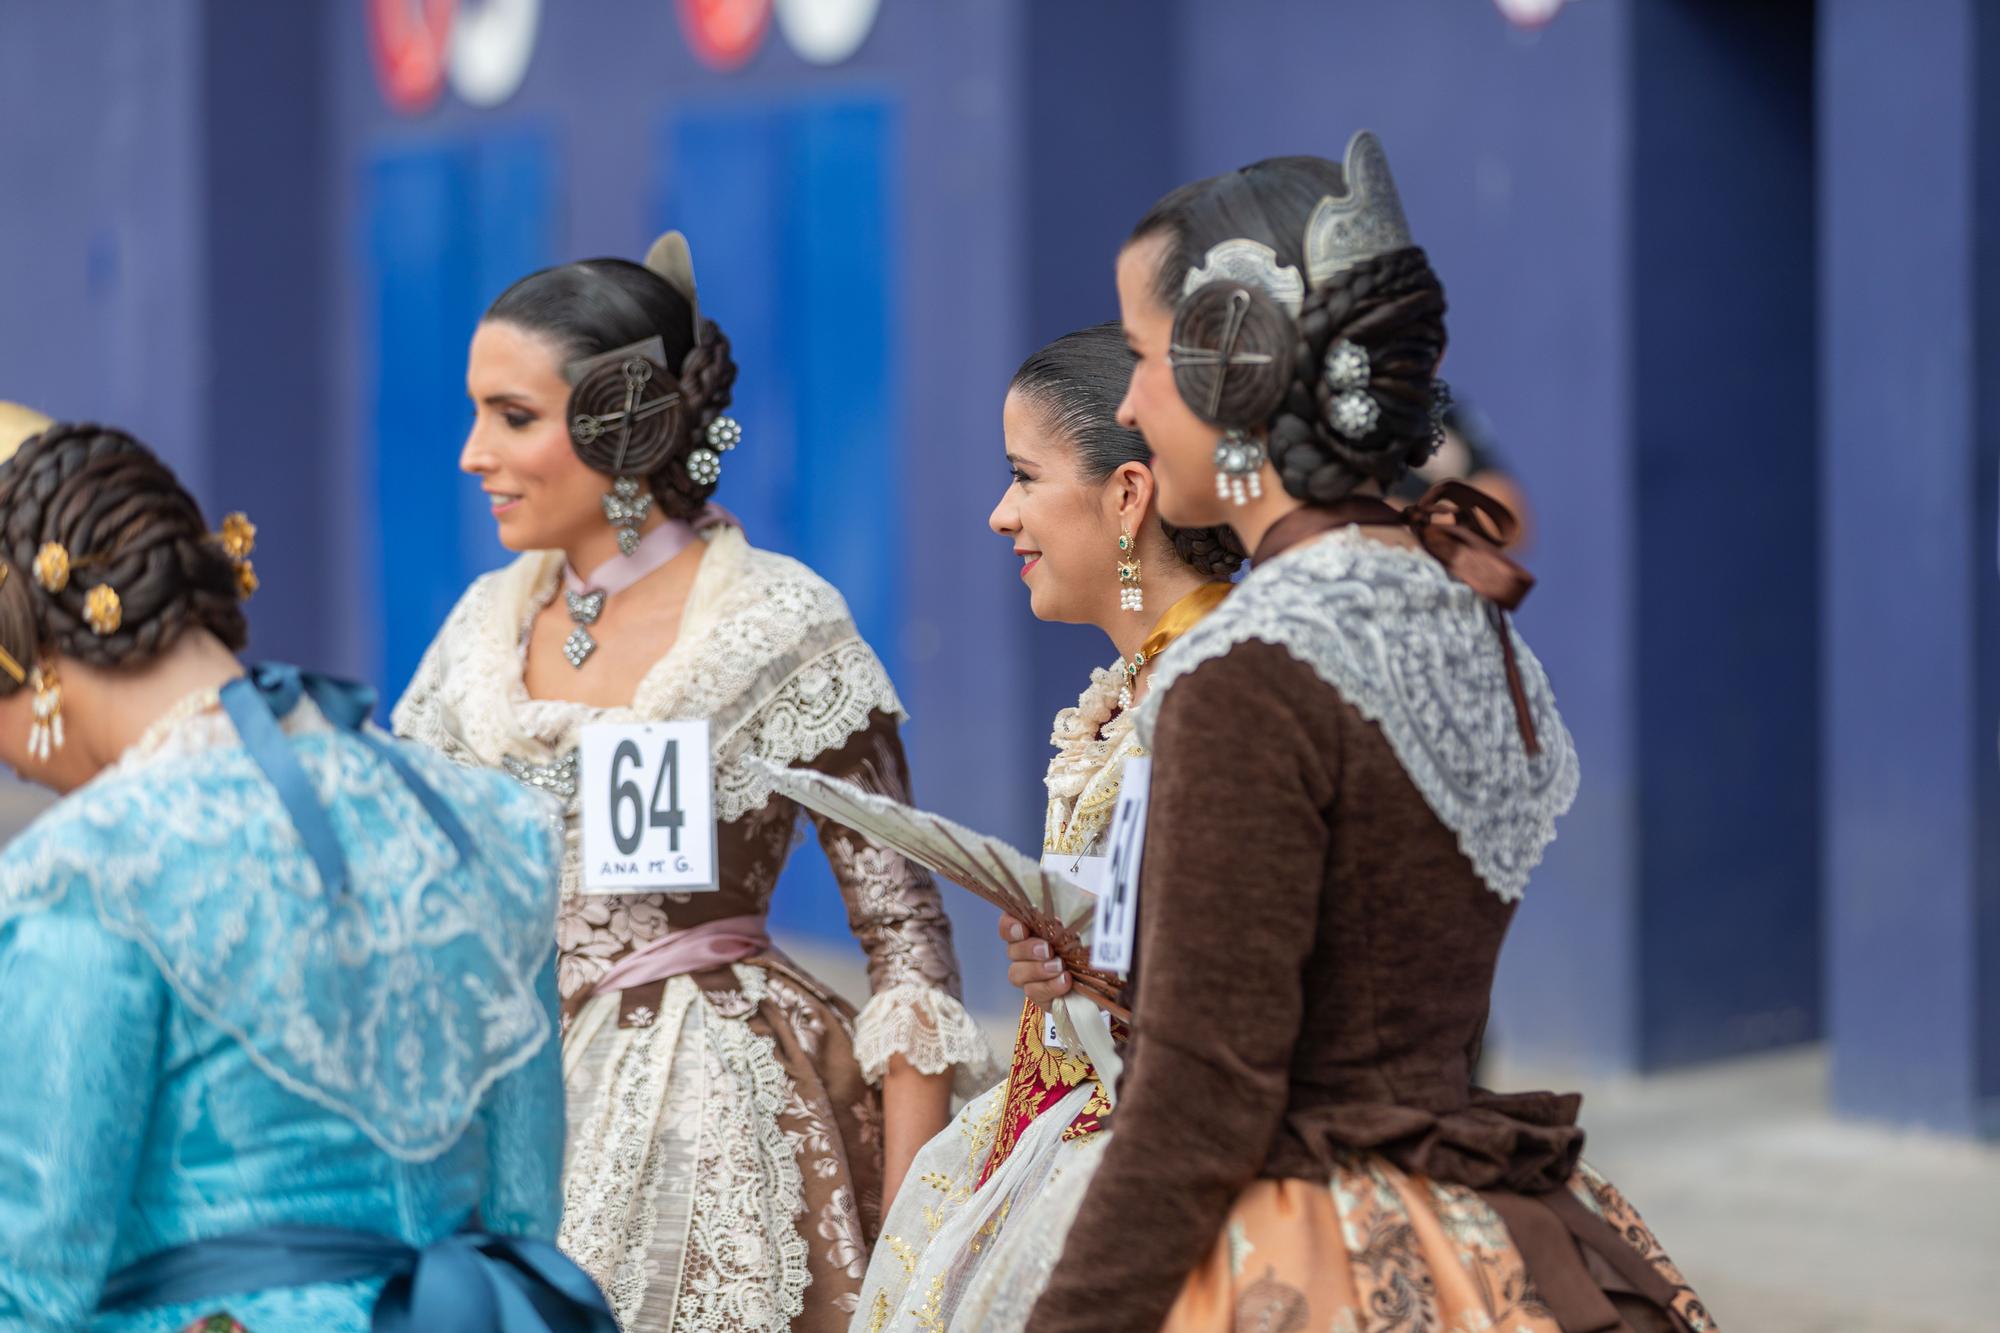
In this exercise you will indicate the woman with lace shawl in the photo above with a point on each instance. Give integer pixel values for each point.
(1357, 764)
(1080, 513)
(728, 1147)
(280, 1004)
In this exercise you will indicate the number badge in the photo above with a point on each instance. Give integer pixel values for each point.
(1112, 934)
(648, 808)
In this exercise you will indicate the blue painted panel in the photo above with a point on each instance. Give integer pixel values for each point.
(449, 225)
(1908, 648)
(1727, 664)
(790, 208)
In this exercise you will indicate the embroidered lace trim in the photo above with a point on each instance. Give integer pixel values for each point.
(1092, 742)
(748, 1193)
(683, 1196)
(929, 1029)
(767, 652)
(396, 1006)
(1414, 651)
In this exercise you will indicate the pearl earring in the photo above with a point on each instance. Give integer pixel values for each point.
(1131, 597)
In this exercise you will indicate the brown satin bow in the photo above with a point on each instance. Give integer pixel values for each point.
(1465, 547)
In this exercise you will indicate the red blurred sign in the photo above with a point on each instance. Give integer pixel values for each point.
(409, 40)
(725, 33)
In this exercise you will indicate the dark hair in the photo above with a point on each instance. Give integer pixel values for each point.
(127, 523)
(594, 306)
(1392, 305)
(1076, 382)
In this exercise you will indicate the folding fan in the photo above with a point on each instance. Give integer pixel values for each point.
(1051, 905)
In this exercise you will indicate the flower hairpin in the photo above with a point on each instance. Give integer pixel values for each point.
(102, 609)
(238, 538)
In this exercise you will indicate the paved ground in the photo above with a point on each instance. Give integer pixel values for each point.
(1785, 1219)
(1789, 1220)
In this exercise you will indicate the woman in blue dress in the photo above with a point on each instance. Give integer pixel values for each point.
(278, 990)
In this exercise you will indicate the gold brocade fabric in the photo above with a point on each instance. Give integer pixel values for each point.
(1381, 1250)
(1037, 1078)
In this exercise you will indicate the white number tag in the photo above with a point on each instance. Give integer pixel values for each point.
(648, 808)
(1118, 908)
(1052, 1038)
(1089, 873)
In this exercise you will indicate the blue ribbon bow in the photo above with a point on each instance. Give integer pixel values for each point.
(261, 699)
(472, 1282)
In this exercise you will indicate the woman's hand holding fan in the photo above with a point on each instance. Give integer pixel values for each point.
(1049, 904)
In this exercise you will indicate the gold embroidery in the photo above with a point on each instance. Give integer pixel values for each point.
(929, 1316)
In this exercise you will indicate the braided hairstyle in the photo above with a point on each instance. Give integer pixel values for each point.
(127, 523)
(596, 306)
(1076, 383)
(1391, 306)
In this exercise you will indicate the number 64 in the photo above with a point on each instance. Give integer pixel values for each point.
(625, 791)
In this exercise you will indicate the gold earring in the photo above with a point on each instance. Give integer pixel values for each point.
(45, 736)
(1131, 596)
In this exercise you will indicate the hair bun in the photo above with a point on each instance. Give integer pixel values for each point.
(135, 539)
(626, 415)
(1211, 552)
(1231, 346)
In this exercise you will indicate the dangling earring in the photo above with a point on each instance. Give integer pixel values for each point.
(1239, 459)
(45, 736)
(625, 508)
(1131, 597)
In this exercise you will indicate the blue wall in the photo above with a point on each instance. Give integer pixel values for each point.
(1725, 520)
(1912, 646)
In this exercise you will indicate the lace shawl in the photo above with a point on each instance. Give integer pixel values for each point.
(767, 652)
(1092, 742)
(1414, 651)
(396, 1005)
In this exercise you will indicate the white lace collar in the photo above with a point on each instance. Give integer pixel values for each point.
(766, 652)
(1415, 652)
(1092, 742)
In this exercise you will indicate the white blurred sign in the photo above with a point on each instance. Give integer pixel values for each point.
(492, 42)
(826, 32)
(1530, 13)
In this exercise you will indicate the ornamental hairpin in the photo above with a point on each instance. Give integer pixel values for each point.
(625, 417)
(1254, 264)
(238, 538)
(102, 610)
(1364, 220)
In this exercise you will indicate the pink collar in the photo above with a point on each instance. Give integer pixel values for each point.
(620, 572)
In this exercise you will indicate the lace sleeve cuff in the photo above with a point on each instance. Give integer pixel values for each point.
(929, 1029)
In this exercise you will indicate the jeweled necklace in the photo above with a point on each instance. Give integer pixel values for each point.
(586, 595)
(1181, 617)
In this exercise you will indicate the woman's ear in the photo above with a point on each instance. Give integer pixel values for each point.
(1128, 494)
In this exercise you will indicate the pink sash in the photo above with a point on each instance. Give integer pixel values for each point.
(679, 952)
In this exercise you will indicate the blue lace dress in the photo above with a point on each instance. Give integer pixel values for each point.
(199, 1039)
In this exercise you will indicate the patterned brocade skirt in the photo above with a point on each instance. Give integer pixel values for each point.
(724, 1152)
(1380, 1251)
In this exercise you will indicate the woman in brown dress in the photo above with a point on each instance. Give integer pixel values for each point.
(734, 1127)
(1358, 763)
